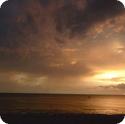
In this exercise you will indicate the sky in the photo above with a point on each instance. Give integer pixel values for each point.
(62, 46)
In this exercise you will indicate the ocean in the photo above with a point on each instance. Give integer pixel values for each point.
(45, 103)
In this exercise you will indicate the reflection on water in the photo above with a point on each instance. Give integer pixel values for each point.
(90, 104)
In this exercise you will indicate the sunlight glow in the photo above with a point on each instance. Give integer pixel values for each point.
(107, 77)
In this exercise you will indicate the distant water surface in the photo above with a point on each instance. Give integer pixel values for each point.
(86, 104)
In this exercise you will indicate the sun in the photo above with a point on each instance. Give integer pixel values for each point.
(107, 75)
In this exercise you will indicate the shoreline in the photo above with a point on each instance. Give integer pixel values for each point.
(59, 118)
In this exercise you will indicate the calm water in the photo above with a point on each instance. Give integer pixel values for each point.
(88, 104)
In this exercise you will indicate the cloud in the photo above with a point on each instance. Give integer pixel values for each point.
(59, 39)
(79, 21)
(117, 87)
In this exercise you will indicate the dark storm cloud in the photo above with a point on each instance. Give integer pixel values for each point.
(23, 17)
(79, 21)
(31, 32)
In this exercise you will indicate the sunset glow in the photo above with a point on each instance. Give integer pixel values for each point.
(110, 75)
(106, 75)
(106, 78)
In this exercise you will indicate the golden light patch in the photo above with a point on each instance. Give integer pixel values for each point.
(107, 77)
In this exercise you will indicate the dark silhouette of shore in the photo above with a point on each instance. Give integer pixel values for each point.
(52, 118)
